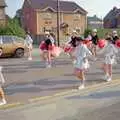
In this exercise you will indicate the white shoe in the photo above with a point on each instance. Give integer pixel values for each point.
(95, 59)
(105, 77)
(109, 79)
(81, 87)
(49, 66)
(30, 58)
(74, 61)
(3, 102)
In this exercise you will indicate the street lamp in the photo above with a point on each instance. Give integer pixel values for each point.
(58, 22)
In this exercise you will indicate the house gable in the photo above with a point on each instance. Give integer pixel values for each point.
(49, 9)
(65, 6)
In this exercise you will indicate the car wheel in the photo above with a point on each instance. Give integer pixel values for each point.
(19, 53)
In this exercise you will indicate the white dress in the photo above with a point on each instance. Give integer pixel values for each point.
(109, 52)
(28, 41)
(2, 81)
(81, 54)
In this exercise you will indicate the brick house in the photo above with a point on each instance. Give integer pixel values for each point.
(39, 16)
(112, 19)
(94, 22)
(2, 12)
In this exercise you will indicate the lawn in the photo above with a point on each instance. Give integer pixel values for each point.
(101, 32)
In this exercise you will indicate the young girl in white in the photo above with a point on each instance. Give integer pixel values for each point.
(2, 81)
(81, 54)
(29, 44)
(70, 45)
(109, 51)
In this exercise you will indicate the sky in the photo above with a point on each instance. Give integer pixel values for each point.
(98, 7)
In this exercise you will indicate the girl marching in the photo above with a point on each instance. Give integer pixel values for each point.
(2, 81)
(114, 36)
(71, 45)
(82, 64)
(108, 49)
(48, 49)
(94, 42)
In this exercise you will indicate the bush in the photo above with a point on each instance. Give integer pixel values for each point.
(87, 32)
(12, 28)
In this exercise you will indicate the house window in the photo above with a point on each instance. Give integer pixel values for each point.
(46, 29)
(47, 16)
(78, 30)
(76, 17)
(48, 22)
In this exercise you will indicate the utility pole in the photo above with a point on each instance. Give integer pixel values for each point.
(58, 22)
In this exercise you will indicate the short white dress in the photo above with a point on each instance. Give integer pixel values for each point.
(81, 54)
(29, 42)
(2, 81)
(109, 52)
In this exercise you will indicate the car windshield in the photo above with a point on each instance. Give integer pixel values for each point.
(7, 39)
(10, 39)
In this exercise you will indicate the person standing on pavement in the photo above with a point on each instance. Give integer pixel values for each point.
(29, 44)
(82, 64)
(2, 81)
(94, 42)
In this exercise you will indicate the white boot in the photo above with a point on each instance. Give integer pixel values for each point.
(30, 58)
(81, 87)
(106, 77)
(109, 79)
(3, 102)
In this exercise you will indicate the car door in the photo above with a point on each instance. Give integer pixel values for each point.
(7, 45)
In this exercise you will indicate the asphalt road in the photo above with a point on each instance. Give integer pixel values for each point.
(102, 103)
(29, 79)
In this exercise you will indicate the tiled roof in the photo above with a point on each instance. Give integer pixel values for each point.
(112, 14)
(2, 3)
(65, 6)
(94, 18)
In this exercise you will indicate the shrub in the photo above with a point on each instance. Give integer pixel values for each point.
(12, 28)
(86, 33)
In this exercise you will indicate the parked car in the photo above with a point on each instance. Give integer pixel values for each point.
(12, 46)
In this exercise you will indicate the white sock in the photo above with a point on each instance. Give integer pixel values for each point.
(83, 82)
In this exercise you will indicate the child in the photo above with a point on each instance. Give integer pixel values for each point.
(47, 47)
(71, 44)
(28, 43)
(94, 42)
(114, 36)
(81, 54)
(2, 81)
(108, 51)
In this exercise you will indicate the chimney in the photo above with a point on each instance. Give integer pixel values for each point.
(115, 8)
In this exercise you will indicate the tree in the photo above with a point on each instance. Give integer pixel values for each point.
(12, 28)
(87, 32)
